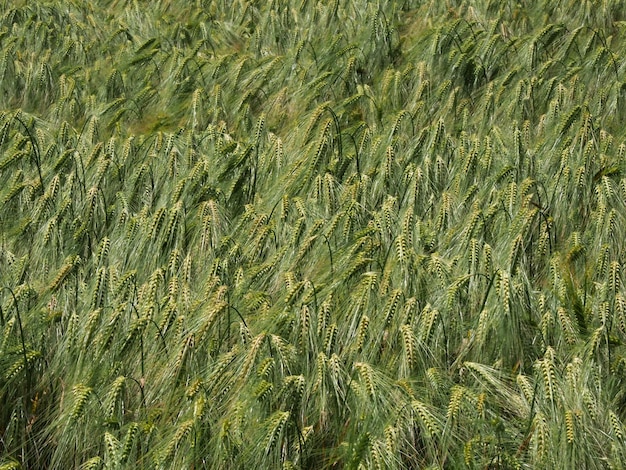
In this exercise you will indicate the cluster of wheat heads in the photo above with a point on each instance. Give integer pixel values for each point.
(312, 234)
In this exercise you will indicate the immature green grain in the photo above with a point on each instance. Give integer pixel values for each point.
(426, 418)
(548, 373)
(330, 338)
(426, 323)
(93, 321)
(275, 427)
(81, 394)
(392, 306)
(129, 442)
(616, 425)
(567, 326)
(114, 394)
(103, 251)
(98, 294)
(487, 258)
(91, 464)
(569, 426)
(69, 266)
(182, 431)
(13, 158)
(409, 344)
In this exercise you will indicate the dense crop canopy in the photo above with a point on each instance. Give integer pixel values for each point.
(312, 234)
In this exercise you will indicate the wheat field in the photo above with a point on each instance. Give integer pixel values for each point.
(312, 234)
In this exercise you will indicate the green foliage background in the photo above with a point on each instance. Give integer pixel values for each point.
(312, 234)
